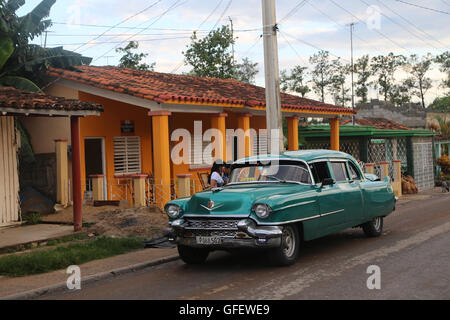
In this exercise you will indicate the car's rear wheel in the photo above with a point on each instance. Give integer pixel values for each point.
(373, 228)
(288, 252)
(191, 255)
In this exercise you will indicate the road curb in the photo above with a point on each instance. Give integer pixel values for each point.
(31, 294)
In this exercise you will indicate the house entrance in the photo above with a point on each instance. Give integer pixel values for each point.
(94, 153)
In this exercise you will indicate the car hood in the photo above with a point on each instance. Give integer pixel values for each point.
(238, 199)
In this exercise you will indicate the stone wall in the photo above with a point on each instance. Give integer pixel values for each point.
(410, 115)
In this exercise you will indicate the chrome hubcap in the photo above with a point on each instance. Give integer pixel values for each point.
(377, 223)
(289, 242)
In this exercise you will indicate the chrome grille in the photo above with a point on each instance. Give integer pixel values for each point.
(219, 233)
(212, 224)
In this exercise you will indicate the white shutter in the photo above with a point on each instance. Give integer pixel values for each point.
(127, 155)
(260, 146)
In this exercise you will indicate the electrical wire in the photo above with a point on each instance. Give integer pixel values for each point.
(423, 7)
(293, 11)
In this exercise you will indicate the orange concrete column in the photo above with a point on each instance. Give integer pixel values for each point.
(292, 123)
(334, 126)
(161, 156)
(244, 124)
(139, 190)
(370, 168)
(218, 121)
(62, 173)
(98, 193)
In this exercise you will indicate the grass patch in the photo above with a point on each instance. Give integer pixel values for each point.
(32, 218)
(62, 257)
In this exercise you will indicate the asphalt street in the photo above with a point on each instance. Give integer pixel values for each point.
(413, 257)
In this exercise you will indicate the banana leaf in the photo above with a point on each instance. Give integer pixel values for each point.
(19, 83)
(6, 50)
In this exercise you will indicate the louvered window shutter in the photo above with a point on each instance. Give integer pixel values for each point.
(127, 155)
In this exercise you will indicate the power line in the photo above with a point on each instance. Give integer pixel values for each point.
(293, 11)
(422, 7)
(398, 24)
(121, 22)
(223, 14)
(377, 31)
(118, 42)
(173, 6)
(292, 47)
(412, 24)
(210, 15)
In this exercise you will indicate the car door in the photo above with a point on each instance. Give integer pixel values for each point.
(356, 210)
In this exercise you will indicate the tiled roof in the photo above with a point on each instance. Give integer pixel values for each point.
(377, 123)
(166, 88)
(18, 101)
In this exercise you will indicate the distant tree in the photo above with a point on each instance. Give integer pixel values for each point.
(23, 65)
(400, 94)
(295, 81)
(338, 89)
(364, 72)
(134, 60)
(419, 83)
(321, 73)
(384, 68)
(246, 71)
(441, 104)
(211, 56)
(444, 61)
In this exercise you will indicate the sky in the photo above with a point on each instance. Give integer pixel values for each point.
(163, 29)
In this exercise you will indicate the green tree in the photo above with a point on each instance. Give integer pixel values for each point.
(211, 56)
(441, 104)
(363, 71)
(419, 83)
(321, 73)
(246, 71)
(400, 94)
(338, 89)
(384, 68)
(22, 65)
(133, 60)
(295, 81)
(444, 61)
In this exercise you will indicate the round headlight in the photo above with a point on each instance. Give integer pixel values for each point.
(262, 210)
(173, 211)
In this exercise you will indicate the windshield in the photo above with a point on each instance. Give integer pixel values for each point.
(297, 173)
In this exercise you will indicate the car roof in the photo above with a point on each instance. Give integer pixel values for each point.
(306, 155)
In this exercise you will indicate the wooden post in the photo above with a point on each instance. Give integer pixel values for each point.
(62, 174)
(397, 181)
(76, 173)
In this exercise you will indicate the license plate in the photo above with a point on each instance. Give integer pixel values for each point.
(209, 240)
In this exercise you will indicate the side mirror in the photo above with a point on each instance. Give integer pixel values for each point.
(327, 182)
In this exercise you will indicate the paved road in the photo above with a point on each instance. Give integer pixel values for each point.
(413, 254)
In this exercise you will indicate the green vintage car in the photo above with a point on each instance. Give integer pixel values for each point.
(276, 202)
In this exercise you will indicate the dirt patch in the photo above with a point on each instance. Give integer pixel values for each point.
(118, 222)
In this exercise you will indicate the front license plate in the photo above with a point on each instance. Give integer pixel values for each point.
(209, 240)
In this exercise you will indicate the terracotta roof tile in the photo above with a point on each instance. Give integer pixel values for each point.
(163, 87)
(14, 99)
(377, 123)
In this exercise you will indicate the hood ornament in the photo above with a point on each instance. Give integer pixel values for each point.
(211, 206)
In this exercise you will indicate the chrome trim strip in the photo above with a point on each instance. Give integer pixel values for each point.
(212, 209)
(287, 222)
(330, 213)
(296, 205)
(215, 216)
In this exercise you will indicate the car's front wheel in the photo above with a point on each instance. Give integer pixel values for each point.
(373, 228)
(290, 246)
(193, 255)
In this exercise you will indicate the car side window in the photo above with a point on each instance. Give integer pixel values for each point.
(339, 171)
(320, 171)
(354, 173)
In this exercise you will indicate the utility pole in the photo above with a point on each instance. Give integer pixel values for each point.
(45, 41)
(352, 25)
(232, 35)
(272, 74)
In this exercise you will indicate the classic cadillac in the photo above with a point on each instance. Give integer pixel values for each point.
(277, 202)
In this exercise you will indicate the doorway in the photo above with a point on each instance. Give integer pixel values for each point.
(94, 159)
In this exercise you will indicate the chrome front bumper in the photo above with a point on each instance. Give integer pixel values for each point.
(242, 234)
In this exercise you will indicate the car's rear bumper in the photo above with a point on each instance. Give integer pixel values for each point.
(246, 234)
